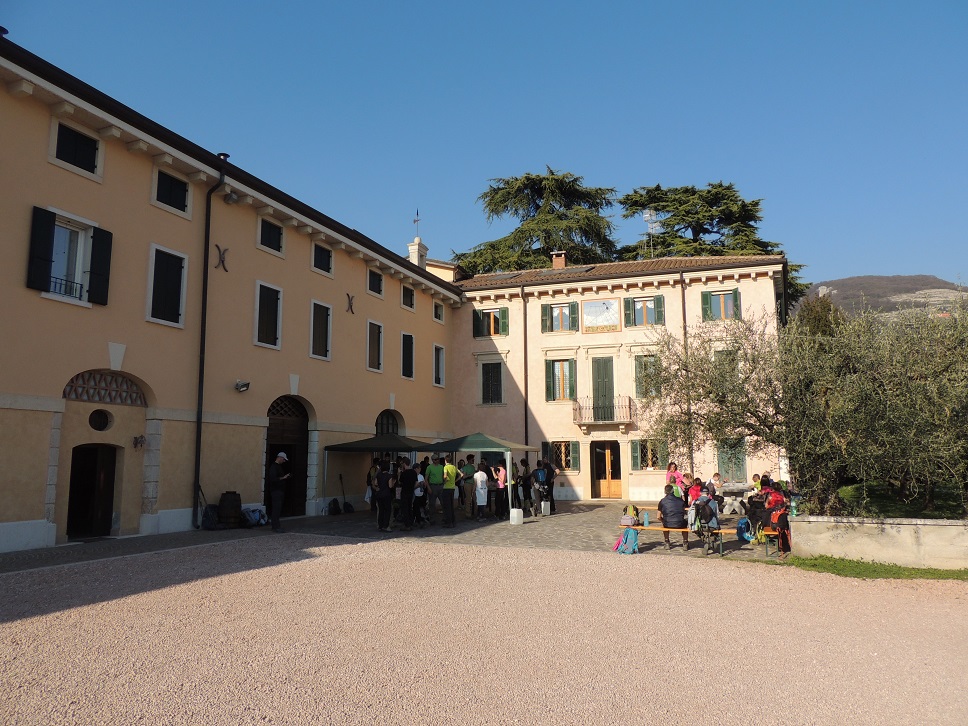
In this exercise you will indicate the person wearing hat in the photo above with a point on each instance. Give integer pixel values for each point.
(276, 481)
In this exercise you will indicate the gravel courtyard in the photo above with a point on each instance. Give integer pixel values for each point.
(305, 628)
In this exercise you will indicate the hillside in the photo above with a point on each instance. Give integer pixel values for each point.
(890, 292)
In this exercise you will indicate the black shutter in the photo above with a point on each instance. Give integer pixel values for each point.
(41, 255)
(97, 285)
(166, 287)
(76, 149)
(268, 315)
(407, 356)
(320, 340)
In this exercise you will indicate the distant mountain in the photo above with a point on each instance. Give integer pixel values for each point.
(888, 293)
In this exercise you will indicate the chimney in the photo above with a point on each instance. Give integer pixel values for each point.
(418, 253)
(557, 260)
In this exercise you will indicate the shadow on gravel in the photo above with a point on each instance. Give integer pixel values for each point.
(34, 592)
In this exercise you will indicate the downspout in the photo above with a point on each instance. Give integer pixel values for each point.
(524, 352)
(685, 341)
(202, 338)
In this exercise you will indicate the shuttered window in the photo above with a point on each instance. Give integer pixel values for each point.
(270, 235)
(68, 258)
(320, 330)
(167, 284)
(438, 366)
(374, 346)
(171, 191)
(270, 307)
(492, 389)
(406, 355)
(721, 305)
(491, 322)
(76, 149)
(560, 380)
(644, 311)
(646, 372)
(649, 454)
(563, 455)
(322, 258)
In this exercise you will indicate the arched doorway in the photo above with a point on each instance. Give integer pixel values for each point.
(289, 432)
(90, 501)
(388, 422)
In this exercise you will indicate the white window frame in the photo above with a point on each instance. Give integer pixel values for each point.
(383, 282)
(282, 236)
(55, 123)
(413, 352)
(312, 328)
(403, 304)
(382, 346)
(189, 196)
(443, 366)
(644, 301)
(83, 264)
(438, 305)
(153, 250)
(557, 306)
(255, 326)
(312, 259)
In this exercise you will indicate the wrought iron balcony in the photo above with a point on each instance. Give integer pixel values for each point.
(617, 410)
(67, 288)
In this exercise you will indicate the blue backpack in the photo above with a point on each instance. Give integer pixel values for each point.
(629, 544)
(744, 530)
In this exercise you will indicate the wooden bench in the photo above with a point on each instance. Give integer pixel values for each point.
(659, 528)
(773, 535)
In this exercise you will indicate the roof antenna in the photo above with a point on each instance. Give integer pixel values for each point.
(416, 221)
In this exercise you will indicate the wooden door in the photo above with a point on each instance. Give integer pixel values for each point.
(606, 470)
(731, 459)
(603, 390)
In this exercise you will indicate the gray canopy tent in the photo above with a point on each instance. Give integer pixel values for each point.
(381, 442)
(483, 443)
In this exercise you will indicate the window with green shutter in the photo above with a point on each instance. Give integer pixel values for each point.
(724, 305)
(490, 322)
(646, 376)
(641, 311)
(648, 454)
(560, 380)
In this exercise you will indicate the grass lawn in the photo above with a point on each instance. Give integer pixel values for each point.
(872, 570)
(877, 500)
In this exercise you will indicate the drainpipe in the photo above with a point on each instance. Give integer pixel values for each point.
(524, 352)
(685, 340)
(202, 336)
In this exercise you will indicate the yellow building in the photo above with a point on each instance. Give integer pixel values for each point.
(171, 322)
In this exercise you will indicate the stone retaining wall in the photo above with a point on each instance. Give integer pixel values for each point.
(939, 543)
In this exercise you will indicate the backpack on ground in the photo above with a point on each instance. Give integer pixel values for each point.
(744, 531)
(210, 517)
(334, 507)
(253, 517)
(759, 536)
(348, 508)
(631, 510)
(629, 544)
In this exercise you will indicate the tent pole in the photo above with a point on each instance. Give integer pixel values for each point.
(322, 490)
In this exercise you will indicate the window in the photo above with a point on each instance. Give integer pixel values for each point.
(559, 317)
(721, 305)
(560, 380)
(646, 376)
(374, 346)
(406, 355)
(69, 257)
(322, 258)
(320, 333)
(492, 388)
(563, 455)
(438, 311)
(76, 150)
(167, 286)
(270, 235)
(172, 192)
(438, 365)
(408, 297)
(268, 315)
(374, 282)
(488, 323)
(649, 454)
(644, 311)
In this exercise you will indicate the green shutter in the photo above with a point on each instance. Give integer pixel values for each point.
(572, 370)
(545, 318)
(504, 320)
(659, 310)
(549, 380)
(573, 316)
(629, 304)
(663, 450)
(546, 451)
(478, 324)
(639, 376)
(575, 451)
(707, 306)
(737, 306)
(636, 447)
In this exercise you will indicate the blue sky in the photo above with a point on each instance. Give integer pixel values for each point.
(848, 119)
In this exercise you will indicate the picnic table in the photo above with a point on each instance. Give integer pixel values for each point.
(733, 495)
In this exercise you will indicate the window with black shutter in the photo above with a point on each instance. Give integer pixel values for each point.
(406, 356)
(320, 341)
(270, 236)
(76, 149)
(171, 191)
(166, 287)
(375, 282)
(322, 258)
(491, 388)
(374, 347)
(268, 324)
(65, 254)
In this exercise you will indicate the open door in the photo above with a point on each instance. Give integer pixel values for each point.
(289, 432)
(606, 470)
(90, 503)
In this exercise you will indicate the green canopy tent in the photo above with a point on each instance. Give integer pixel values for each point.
(484, 443)
(381, 442)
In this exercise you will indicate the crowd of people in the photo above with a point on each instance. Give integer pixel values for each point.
(769, 505)
(408, 493)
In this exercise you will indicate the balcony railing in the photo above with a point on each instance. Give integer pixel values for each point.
(60, 286)
(610, 410)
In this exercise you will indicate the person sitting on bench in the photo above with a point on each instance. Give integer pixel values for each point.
(672, 514)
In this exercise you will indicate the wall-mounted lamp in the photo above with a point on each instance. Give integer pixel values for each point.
(139, 442)
(242, 386)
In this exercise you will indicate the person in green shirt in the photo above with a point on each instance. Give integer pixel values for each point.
(435, 481)
(451, 475)
(468, 471)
